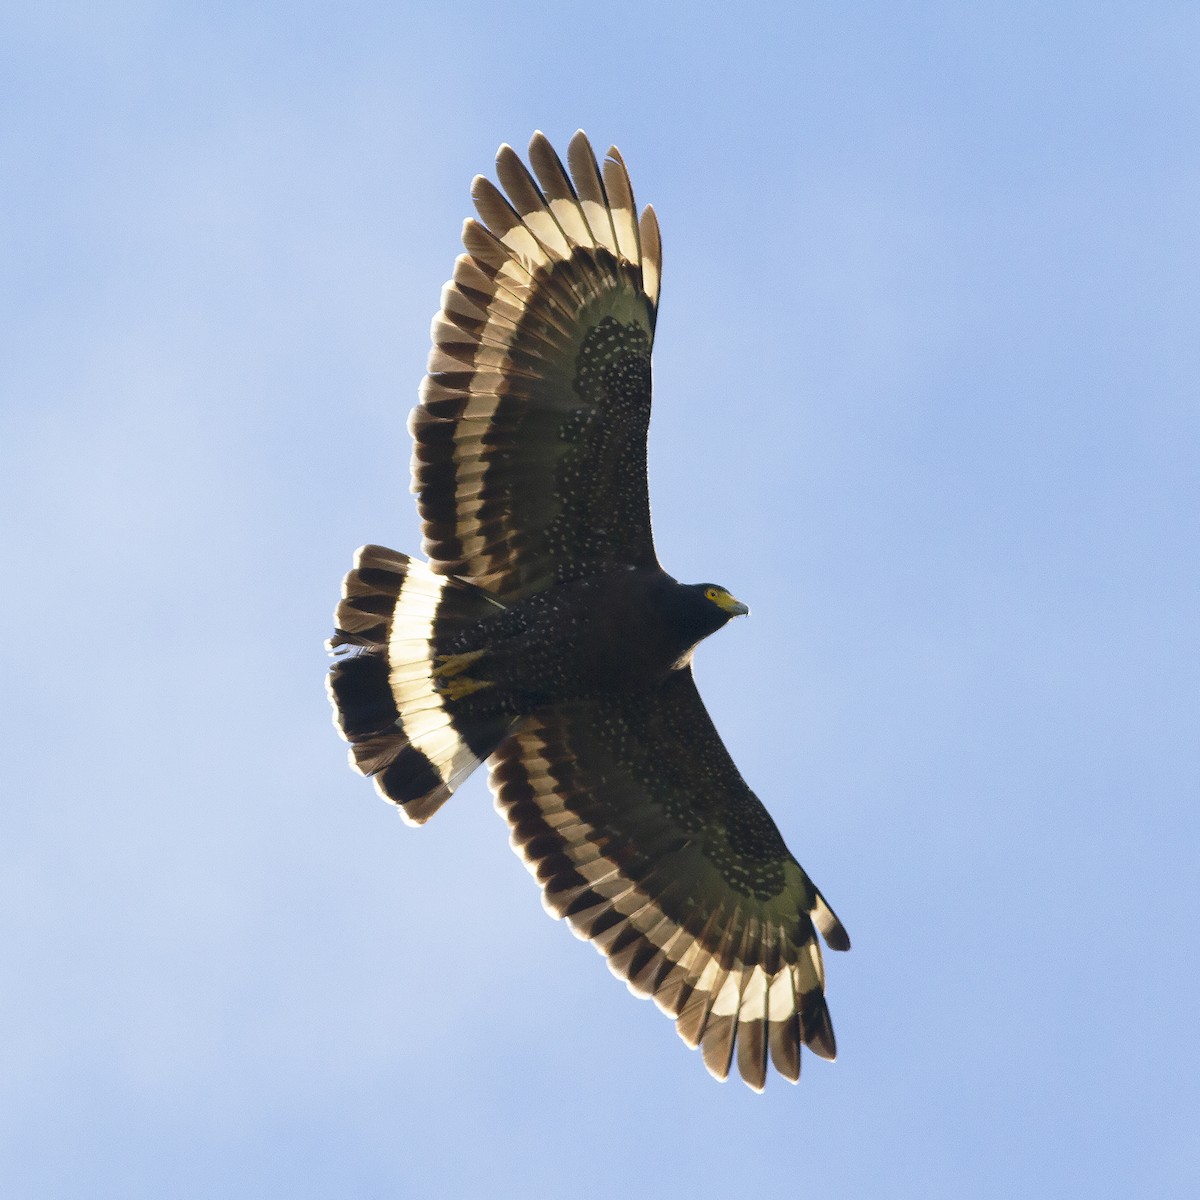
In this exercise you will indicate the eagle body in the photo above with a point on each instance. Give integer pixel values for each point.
(607, 634)
(544, 638)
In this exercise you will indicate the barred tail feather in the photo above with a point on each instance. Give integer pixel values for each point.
(411, 738)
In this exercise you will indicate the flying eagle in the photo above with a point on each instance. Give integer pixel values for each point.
(543, 636)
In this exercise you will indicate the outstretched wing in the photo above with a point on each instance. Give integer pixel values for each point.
(639, 828)
(530, 456)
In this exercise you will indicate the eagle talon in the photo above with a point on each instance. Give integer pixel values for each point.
(446, 666)
(456, 689)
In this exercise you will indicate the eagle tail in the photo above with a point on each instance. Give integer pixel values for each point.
(391, 698)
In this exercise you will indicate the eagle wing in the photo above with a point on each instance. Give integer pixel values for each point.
(642, 833)
(530, 456)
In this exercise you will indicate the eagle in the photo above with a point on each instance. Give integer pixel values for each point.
(543, 637)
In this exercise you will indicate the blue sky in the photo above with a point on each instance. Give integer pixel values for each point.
(927, 398)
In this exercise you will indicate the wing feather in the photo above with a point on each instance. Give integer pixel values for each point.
(644, 836)
(529, 462)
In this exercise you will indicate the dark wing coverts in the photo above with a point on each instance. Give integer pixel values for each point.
(530, 456)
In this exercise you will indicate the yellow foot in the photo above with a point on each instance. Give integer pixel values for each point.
(446, 666)
(456, 689)
(449, 678)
